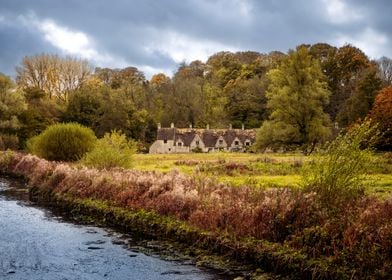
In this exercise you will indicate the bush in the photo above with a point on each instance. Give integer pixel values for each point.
(113, 150)
(338, 173)
(197, 150)
(8, 141)
(64, 142)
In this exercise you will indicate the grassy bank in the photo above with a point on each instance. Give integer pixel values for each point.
(280, 229)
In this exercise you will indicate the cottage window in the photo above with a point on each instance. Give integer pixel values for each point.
(179, 144)
(169, 149)
(197, 143)
(247, 143)
(165, 141)
(236, 143)
(221, 142)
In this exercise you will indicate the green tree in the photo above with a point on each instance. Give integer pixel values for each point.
(246, 101)
(295, 98)
(161, 88)
(358, 105)
(187, 101)
(12, 106)
(84, 106)
(41, 112)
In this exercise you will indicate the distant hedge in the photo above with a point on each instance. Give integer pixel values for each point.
(63, 142)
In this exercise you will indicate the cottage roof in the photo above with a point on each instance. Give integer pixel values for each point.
(166, 134)
(229, 136)
(187, 137)
(209, 138)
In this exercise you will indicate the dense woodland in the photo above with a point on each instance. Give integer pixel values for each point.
(298, 98)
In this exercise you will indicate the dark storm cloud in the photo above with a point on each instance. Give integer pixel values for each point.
(17, 42)
(157, 35)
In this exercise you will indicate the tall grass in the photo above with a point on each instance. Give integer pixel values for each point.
(338, 173)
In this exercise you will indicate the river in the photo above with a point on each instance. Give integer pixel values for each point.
(35, 244)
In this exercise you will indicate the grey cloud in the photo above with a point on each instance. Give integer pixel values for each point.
(17, 42)
(124, 28)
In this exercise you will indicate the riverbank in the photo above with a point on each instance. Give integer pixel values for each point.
(281, 230)
(38, 244)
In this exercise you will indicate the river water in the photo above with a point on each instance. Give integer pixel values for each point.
(35, 244)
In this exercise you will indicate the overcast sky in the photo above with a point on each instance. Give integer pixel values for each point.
(157, 35)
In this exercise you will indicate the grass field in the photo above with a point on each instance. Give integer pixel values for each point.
(259, 170)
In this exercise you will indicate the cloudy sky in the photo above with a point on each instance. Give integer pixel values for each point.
(157, 35)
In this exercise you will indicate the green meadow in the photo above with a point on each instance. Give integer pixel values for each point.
(258, 170)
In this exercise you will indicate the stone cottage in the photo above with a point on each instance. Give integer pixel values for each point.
(175, 140)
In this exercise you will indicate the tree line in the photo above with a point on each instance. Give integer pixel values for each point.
(296, 98)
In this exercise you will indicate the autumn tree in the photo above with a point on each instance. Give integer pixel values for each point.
(223, 67)
(57, 76)
(343, 71)
(295, 98)
(381, 114)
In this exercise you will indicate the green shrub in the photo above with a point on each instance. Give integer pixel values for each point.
(65, 142)
(338, 173)
(113, 150)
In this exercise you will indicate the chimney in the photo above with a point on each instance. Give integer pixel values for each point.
(208, 127)
(230, 126)
(172, 125)
(190, 126)
(159, 125)
(243, 127)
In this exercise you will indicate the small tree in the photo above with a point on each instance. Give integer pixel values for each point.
(337, 174)
(66, 142)
(296, 97)
(113, 150)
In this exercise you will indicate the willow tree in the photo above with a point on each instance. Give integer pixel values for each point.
(296, 97)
